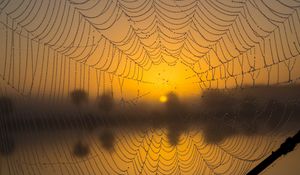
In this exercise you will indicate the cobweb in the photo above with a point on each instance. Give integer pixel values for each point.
(50, 48)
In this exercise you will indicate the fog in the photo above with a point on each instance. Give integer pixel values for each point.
(216, 114)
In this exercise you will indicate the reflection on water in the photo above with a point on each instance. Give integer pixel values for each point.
(107, 139)
(139, 152)
(7, 145)
(224, 132)
(81, 149)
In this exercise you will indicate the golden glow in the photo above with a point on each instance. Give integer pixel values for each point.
(165, 78)
(163, 99)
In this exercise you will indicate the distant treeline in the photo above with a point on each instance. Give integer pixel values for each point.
(217, 114)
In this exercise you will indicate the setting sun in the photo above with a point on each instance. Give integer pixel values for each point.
(163, 99)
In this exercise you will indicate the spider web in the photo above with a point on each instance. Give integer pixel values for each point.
(49, 48)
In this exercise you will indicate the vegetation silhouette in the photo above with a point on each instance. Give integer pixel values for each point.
(79, 97)
(247, 112)
(218, 103)
(7, 143)
(216, 133)
(176, 114)
(218, 114)
(247, 108)
(106, 102)
(276, 110)
(6, 106)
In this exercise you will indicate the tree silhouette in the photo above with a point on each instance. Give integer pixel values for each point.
(106, 102)
(7, 144)
(248, 108)
(247, 111)
(218, 103)
(6, 106)
(215, 133)
(276, 110)
(79, 97)
(175, 118)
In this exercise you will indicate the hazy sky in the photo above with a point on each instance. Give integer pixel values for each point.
(59, 46)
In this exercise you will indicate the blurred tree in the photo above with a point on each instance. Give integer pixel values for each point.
(218, 103)
(106, 102)
(6, 106)
(79, 97)
(7, 144)
(176, 118)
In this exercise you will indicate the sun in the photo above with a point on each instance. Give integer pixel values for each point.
(163, 99)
